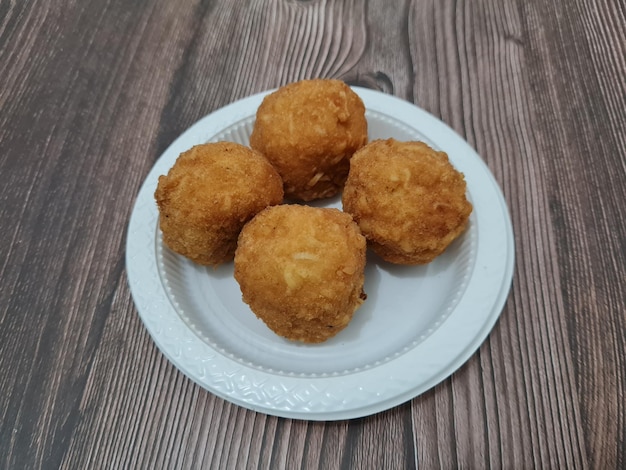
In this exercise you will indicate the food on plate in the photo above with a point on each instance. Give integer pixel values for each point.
(301, 270)
(208, 195)
(408, 200)
(309, 130)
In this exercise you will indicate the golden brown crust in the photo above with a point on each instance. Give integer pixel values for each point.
(209, 194)
(301, 270)
(408, 200)
(309, 130)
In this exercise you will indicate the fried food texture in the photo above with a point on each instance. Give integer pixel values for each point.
(408, 200)
(309, 130)
(301, 270)
(208, 195)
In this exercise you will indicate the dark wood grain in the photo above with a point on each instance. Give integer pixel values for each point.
(91, 93)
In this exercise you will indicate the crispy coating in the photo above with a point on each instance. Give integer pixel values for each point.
(408, 200)
(301, 270)
(309, 130)
(209, 194)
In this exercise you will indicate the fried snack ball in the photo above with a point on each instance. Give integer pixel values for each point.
(209, 194)
(408, 200)
(301, 270)
(309, 130)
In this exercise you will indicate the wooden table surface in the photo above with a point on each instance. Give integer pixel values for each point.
(91, 94)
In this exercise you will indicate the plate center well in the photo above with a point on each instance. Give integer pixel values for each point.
(404, 305)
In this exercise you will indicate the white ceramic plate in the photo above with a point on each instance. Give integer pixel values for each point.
(417, 326)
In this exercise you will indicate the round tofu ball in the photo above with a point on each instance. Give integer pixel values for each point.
(408, 200)
(208, 195)
(309, 130)
(301, 270)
